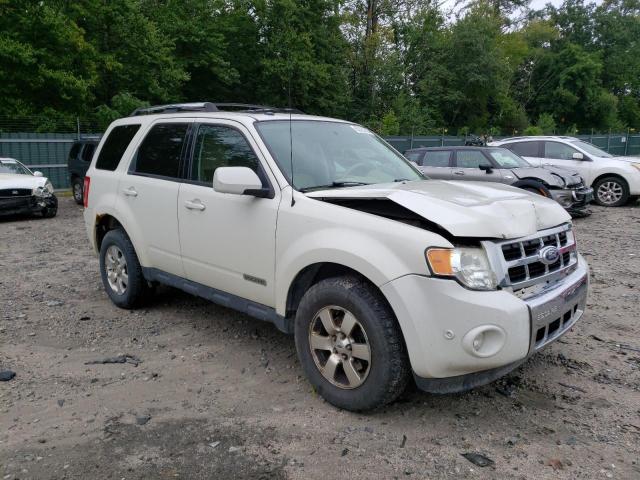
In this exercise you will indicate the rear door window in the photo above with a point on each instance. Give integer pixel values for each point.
(160, 152)
(470, 159)
(414, 156)
(115, 146)
(525, 149)
(438, 158)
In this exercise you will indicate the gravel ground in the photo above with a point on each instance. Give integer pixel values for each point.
(219, 395)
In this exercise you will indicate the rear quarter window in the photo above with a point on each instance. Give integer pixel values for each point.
(73, 153)
(115, 146)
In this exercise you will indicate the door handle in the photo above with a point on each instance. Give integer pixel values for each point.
(547, 164)
(130, 192)
(194, 205)
(458, 172)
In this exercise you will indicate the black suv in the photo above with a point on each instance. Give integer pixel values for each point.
(78, 162)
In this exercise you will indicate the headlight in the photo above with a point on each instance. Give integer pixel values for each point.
(470, 266)
(636, 165)
(43, 191)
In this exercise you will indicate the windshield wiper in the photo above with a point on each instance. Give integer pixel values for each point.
(334, 185)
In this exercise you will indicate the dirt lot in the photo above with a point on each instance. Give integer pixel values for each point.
(219, 395)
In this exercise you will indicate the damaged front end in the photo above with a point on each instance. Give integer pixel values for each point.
(574, 198)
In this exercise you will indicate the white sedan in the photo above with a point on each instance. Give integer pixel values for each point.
(25, 192)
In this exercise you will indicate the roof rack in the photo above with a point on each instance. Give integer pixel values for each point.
(210, 107)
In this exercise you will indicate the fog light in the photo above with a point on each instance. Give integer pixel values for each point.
(484, 341)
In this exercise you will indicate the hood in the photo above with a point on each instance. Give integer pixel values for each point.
(465, 209)
(553, 176)
(626, 159)
(14, 180)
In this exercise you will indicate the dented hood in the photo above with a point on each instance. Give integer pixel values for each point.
(464, 209)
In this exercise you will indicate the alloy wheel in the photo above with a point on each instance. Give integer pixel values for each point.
(77, 191)
(610, 192)
(339, 347)
(117, 273)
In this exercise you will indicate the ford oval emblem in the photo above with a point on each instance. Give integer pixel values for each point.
(548, 255)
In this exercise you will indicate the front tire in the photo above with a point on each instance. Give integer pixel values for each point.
(51, 209)
(350, 344)
(611, 192)
(121, 271)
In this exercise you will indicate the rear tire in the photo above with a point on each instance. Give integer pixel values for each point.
(611, 192)
(121, 271)
(337, 368)
(77, 190)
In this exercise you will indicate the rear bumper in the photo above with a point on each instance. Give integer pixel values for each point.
(442, 321)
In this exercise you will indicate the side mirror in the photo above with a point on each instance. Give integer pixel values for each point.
(238, 181)
(37, 173)
(486, 168)
(577, 156)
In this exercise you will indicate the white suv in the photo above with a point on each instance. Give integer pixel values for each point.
(322, 228)
(615, 180)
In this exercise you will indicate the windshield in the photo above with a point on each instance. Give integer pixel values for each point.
(591, 149)
(331, 154)
(507, 159)
(12, 166)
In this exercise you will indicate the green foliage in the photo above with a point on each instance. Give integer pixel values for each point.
(533, 130)
(399, 66)
(546, 124)
(390, 124)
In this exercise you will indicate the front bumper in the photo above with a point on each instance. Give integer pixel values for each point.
(26, 205)
(574, 200)
(441, 321)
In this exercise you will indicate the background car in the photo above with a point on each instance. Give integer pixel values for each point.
(494, 164)
(78, 162)
(25, 192)
(615, 180)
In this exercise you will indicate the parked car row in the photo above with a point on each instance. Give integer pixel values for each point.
(615, 180)
(319, 226)
(571, 171)
(494, 164)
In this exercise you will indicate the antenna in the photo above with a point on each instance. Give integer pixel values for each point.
(293, 188)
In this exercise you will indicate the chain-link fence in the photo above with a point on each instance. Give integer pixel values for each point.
(620, 144)
(48, 152)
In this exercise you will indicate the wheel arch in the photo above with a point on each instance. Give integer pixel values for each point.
(314, 273)
(605, 175)
(532, 183)
(104, 223)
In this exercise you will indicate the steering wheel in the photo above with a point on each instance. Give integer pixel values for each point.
(352, 170)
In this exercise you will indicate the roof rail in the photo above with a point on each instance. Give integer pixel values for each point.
(210, 107)
(175, 107)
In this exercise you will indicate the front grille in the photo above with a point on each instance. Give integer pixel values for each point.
(15, 192)
(522, 265)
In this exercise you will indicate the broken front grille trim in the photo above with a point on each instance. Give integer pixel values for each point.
(516, 262)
